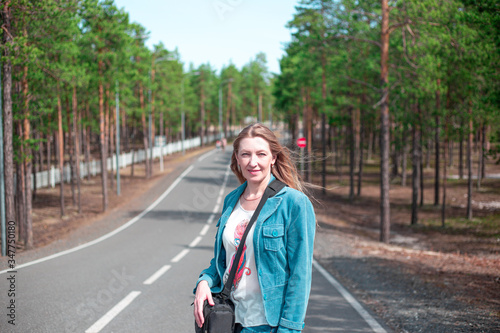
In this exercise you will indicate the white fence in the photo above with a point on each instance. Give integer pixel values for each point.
(53, 176)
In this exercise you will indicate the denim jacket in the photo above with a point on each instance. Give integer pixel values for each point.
(283, 243)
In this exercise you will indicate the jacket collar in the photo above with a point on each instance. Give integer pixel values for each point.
(268, 209)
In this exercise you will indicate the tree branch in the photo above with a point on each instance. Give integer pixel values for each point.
(381, 100)
(363, 83)
(4, 28)
(358, 39)
(431, 23)
(405, 49)
(385, 95)
(398, 25)
(51, 74)
(377, 17)
(394, 85)
(407, 69)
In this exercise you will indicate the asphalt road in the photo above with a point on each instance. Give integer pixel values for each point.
(140, 277)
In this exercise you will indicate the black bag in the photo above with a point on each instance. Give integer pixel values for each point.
(220, 317)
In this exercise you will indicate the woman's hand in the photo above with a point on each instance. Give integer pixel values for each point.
(202, 293)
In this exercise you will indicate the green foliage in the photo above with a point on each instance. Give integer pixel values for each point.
(437, 48)
(86, 44)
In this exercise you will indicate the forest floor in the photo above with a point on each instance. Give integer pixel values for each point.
(429, 278)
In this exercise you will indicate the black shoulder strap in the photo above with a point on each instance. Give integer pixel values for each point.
(272, 189)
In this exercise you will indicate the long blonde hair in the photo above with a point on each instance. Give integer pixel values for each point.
(284, 168)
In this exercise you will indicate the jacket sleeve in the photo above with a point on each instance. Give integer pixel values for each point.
(210, 275)
(299, 247)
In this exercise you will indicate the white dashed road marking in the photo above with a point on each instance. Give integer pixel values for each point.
(108, 317)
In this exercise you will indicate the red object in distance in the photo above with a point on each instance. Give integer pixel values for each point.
(301, 142)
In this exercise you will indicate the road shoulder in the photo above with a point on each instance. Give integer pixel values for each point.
(406, 299)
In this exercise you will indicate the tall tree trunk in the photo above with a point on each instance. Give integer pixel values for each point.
(80, 135)
(480, 160)
(461, 150)
(416, 171)
(476, 140)
(484, 149)
(421, 155)
(20, 187)
(436, 142)
(49, 150)
(86, 138)
(309, 135)
(395, 156)
(124, 133)
(71, 152)
(305, 128)
(86, 141)
(361, 145)
(144, 129)
(445, 176)
(37, 161)
(55, 142)
(385, 220)
(10, 213)
(76, 142)
(108, 134)
(260, 107)
(153, 131)
(352, 156)
(202, 113)
(132, 164)
(60, 151)
(87, 135)
(421, 166)
(336, 154)
(153, 111)
(437, 157)
(102, 137)
(233, 113)
(323, 121)
(228, 110)
(330, 137)
(469, 165)
(161, 122)
(428, 150)
(20, 197)
(112, 125)
(369, 151)
(450, 153)
(404, 164)
(28, 164)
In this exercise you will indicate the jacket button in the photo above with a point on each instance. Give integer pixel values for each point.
(265, 297)
(275, 233)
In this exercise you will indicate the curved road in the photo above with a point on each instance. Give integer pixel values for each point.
(140, 277)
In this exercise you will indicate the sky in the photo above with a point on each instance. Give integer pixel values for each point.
(218, 32)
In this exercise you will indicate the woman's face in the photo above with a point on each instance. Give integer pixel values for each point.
(255, 159)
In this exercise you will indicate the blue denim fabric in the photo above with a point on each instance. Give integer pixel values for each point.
(259, 329)
(283, 242)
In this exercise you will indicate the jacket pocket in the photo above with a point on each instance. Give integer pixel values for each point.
(273, 237)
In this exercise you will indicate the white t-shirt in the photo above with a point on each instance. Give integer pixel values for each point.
(245, 293)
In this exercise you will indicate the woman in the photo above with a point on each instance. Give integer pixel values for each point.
(272, 284)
